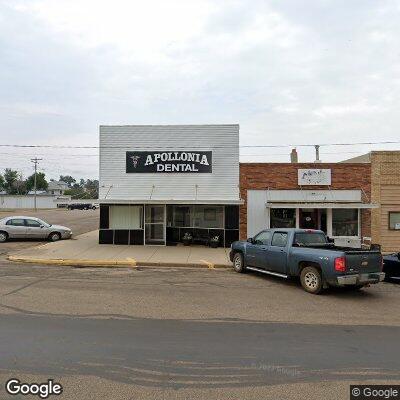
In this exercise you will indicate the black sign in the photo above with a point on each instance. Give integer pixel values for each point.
(169, 161)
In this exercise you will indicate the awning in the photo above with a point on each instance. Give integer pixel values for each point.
(321, 205)
(171, 201)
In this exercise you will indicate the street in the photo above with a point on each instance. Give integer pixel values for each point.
(185, 333)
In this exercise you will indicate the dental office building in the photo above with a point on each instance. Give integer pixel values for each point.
(158, 183)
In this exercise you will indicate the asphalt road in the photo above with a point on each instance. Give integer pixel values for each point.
(174, 333)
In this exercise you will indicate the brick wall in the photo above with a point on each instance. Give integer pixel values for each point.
(284, 176)
(386, 192)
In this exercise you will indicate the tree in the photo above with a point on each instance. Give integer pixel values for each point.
(10, 177)
(41, 183)
(68, 179)
(2, 182)
(92, 187)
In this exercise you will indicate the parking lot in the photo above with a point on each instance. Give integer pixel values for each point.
(80, 221)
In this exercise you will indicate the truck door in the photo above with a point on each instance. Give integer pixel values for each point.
(257, 251)
(277, 253)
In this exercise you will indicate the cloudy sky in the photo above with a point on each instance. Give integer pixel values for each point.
(288, 71)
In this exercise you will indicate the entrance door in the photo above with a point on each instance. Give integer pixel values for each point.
(154, 224)
(308, 218)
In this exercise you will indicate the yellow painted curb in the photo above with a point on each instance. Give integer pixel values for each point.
(75, 262)
(209, 265)
(129, 262)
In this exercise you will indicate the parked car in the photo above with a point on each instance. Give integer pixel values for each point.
(17, 227)
(307, 254)
(391, 266)
(81, 206)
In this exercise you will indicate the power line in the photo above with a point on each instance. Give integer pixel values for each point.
(241, 146)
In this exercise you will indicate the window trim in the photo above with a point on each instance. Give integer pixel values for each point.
(389, 228)
(30, 226)
(269, 240)
(9, 222)
(287, 239)
(359, 221)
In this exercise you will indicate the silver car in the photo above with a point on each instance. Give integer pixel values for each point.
(31, 228)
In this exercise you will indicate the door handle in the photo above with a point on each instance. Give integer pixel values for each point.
(264, 248)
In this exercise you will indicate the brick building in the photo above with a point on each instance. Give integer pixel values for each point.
(385, 191)
(335, 198)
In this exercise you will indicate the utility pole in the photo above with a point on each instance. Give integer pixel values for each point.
(35, 162)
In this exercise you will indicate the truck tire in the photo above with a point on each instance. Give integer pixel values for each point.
(238, 263)
(311, 280)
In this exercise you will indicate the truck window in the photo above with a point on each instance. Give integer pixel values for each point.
(263, 237)
(279, 239)
(309, 238)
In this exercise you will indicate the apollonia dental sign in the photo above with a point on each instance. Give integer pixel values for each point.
(169, 161)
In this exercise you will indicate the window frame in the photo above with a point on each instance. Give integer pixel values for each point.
(260, 233)
(389, 214)
(9, 222)
(358, 235)
(280, 232)
(32, 226)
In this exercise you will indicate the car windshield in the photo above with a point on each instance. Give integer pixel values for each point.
(309, 238)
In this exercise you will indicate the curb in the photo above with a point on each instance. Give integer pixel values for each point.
(112, 263)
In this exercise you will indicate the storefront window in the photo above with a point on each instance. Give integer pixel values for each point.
(182, 216)
(394, 220)
(283, 218)
(126, 217)
(208, 216)
(345, 222)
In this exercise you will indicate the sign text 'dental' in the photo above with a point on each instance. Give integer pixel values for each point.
(169, 161)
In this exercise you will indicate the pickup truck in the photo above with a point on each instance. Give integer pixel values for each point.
(307, 254)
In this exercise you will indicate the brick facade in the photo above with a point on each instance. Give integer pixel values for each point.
(385, 182)
(282, 176)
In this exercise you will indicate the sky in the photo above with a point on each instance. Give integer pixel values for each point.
(290, 72)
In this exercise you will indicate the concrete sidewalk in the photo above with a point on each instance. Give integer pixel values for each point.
(84, 250)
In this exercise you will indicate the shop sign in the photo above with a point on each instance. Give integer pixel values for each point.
(169, 161)
(314, 177)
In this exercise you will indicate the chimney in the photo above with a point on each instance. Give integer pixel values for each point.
(317, 160)
(294, 157)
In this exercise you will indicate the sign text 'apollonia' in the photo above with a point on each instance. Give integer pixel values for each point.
(169, 161)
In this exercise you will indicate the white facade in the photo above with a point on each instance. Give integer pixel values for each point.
(42, 201)
(219, 186)
(324, 205)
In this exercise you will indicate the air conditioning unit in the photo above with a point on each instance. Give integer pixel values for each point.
(348, 242)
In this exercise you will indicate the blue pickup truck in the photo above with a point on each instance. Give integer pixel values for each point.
(307, 254)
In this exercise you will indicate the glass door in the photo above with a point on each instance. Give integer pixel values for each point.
(155, 224)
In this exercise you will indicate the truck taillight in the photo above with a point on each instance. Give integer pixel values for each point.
(340, 264)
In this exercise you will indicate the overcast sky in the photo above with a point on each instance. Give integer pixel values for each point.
(289, 72)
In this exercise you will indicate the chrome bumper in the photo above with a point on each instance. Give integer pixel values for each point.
(360, 279)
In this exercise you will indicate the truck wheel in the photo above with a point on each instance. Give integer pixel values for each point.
(311, 280)
(238, 263)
